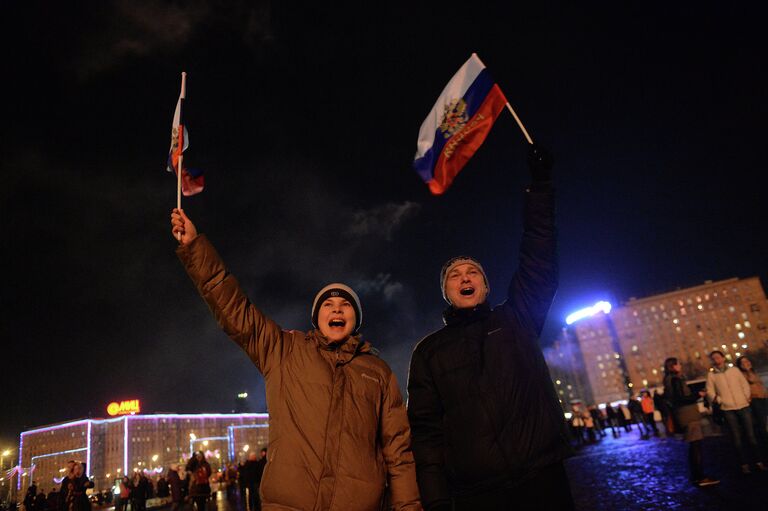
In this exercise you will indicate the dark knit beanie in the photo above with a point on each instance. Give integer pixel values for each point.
(454, 262)
(344, 291)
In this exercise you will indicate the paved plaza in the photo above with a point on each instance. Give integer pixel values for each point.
(628, 473)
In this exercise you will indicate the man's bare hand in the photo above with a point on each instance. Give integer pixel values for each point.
(182, 227)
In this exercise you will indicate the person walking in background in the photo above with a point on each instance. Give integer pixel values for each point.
(242, 484)
(125, 494)
(728, 388)
(248, 473)
(258, 473)
(139, 492)
(597, 418)
(29, 497)
(174, 487)
(200, 485)
(661, 405)
(577, 423)
(162, 487)
(625, 417)
(647, 405)
(73, 495)
(230, 476)
(758, 403)
(52, 501)
(612, 419)
(683, 405)
(636, 416)
(41, 502)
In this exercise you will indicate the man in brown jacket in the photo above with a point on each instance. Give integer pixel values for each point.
(338, 426)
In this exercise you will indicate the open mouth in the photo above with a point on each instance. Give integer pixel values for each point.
(467, 291)
(339, 323)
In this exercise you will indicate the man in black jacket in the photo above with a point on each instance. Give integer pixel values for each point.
(488, 431)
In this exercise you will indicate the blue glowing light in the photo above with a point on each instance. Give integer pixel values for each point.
(601, 306)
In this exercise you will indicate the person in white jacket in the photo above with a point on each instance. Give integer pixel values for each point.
(727, 388)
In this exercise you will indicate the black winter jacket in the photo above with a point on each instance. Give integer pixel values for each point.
(483, 410)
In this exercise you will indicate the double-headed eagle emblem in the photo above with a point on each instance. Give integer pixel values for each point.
(454, 117)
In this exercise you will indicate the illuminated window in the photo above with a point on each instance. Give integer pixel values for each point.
(738, 326)
(748, 324)
(741, 335)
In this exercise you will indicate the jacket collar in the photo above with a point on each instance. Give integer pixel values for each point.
(457, 317)
(345, 350)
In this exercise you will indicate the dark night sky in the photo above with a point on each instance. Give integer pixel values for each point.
(305, 121)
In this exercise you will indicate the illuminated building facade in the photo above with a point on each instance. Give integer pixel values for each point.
(624, 349)
(116, 446)
(566, 367)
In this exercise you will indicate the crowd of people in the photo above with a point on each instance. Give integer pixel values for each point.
(590, 423)
(734, 394)
(186, 486)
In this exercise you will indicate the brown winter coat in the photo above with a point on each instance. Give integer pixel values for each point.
(338, 428)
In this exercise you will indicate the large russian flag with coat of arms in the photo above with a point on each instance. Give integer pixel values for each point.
(457, 125)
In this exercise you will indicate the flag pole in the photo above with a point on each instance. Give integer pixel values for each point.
(511, 110)
(181, 140)
(519, 123)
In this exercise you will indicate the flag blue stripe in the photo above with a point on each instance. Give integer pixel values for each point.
(474, 97)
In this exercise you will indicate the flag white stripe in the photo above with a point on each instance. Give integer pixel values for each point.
(456, 88)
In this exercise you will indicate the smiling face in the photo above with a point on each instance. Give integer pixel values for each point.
(465, 286)
(336, 318)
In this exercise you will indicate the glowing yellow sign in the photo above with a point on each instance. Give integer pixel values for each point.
(124, 407)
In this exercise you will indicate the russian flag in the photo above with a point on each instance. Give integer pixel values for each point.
(457, 125)
(192, 180)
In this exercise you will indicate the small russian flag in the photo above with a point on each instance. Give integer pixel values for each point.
(457, 125)
(192, 180)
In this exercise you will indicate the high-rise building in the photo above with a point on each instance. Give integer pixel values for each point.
(121, 445)
(566, 367)
(624, 349)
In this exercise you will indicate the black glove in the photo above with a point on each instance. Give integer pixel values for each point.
(540, 163)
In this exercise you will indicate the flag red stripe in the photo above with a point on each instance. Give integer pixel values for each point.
(463, 145)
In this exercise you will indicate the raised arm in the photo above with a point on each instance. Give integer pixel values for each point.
(533, 285)
(260, 337)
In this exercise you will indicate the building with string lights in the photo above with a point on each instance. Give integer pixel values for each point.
(133, 442)
(624, 348)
